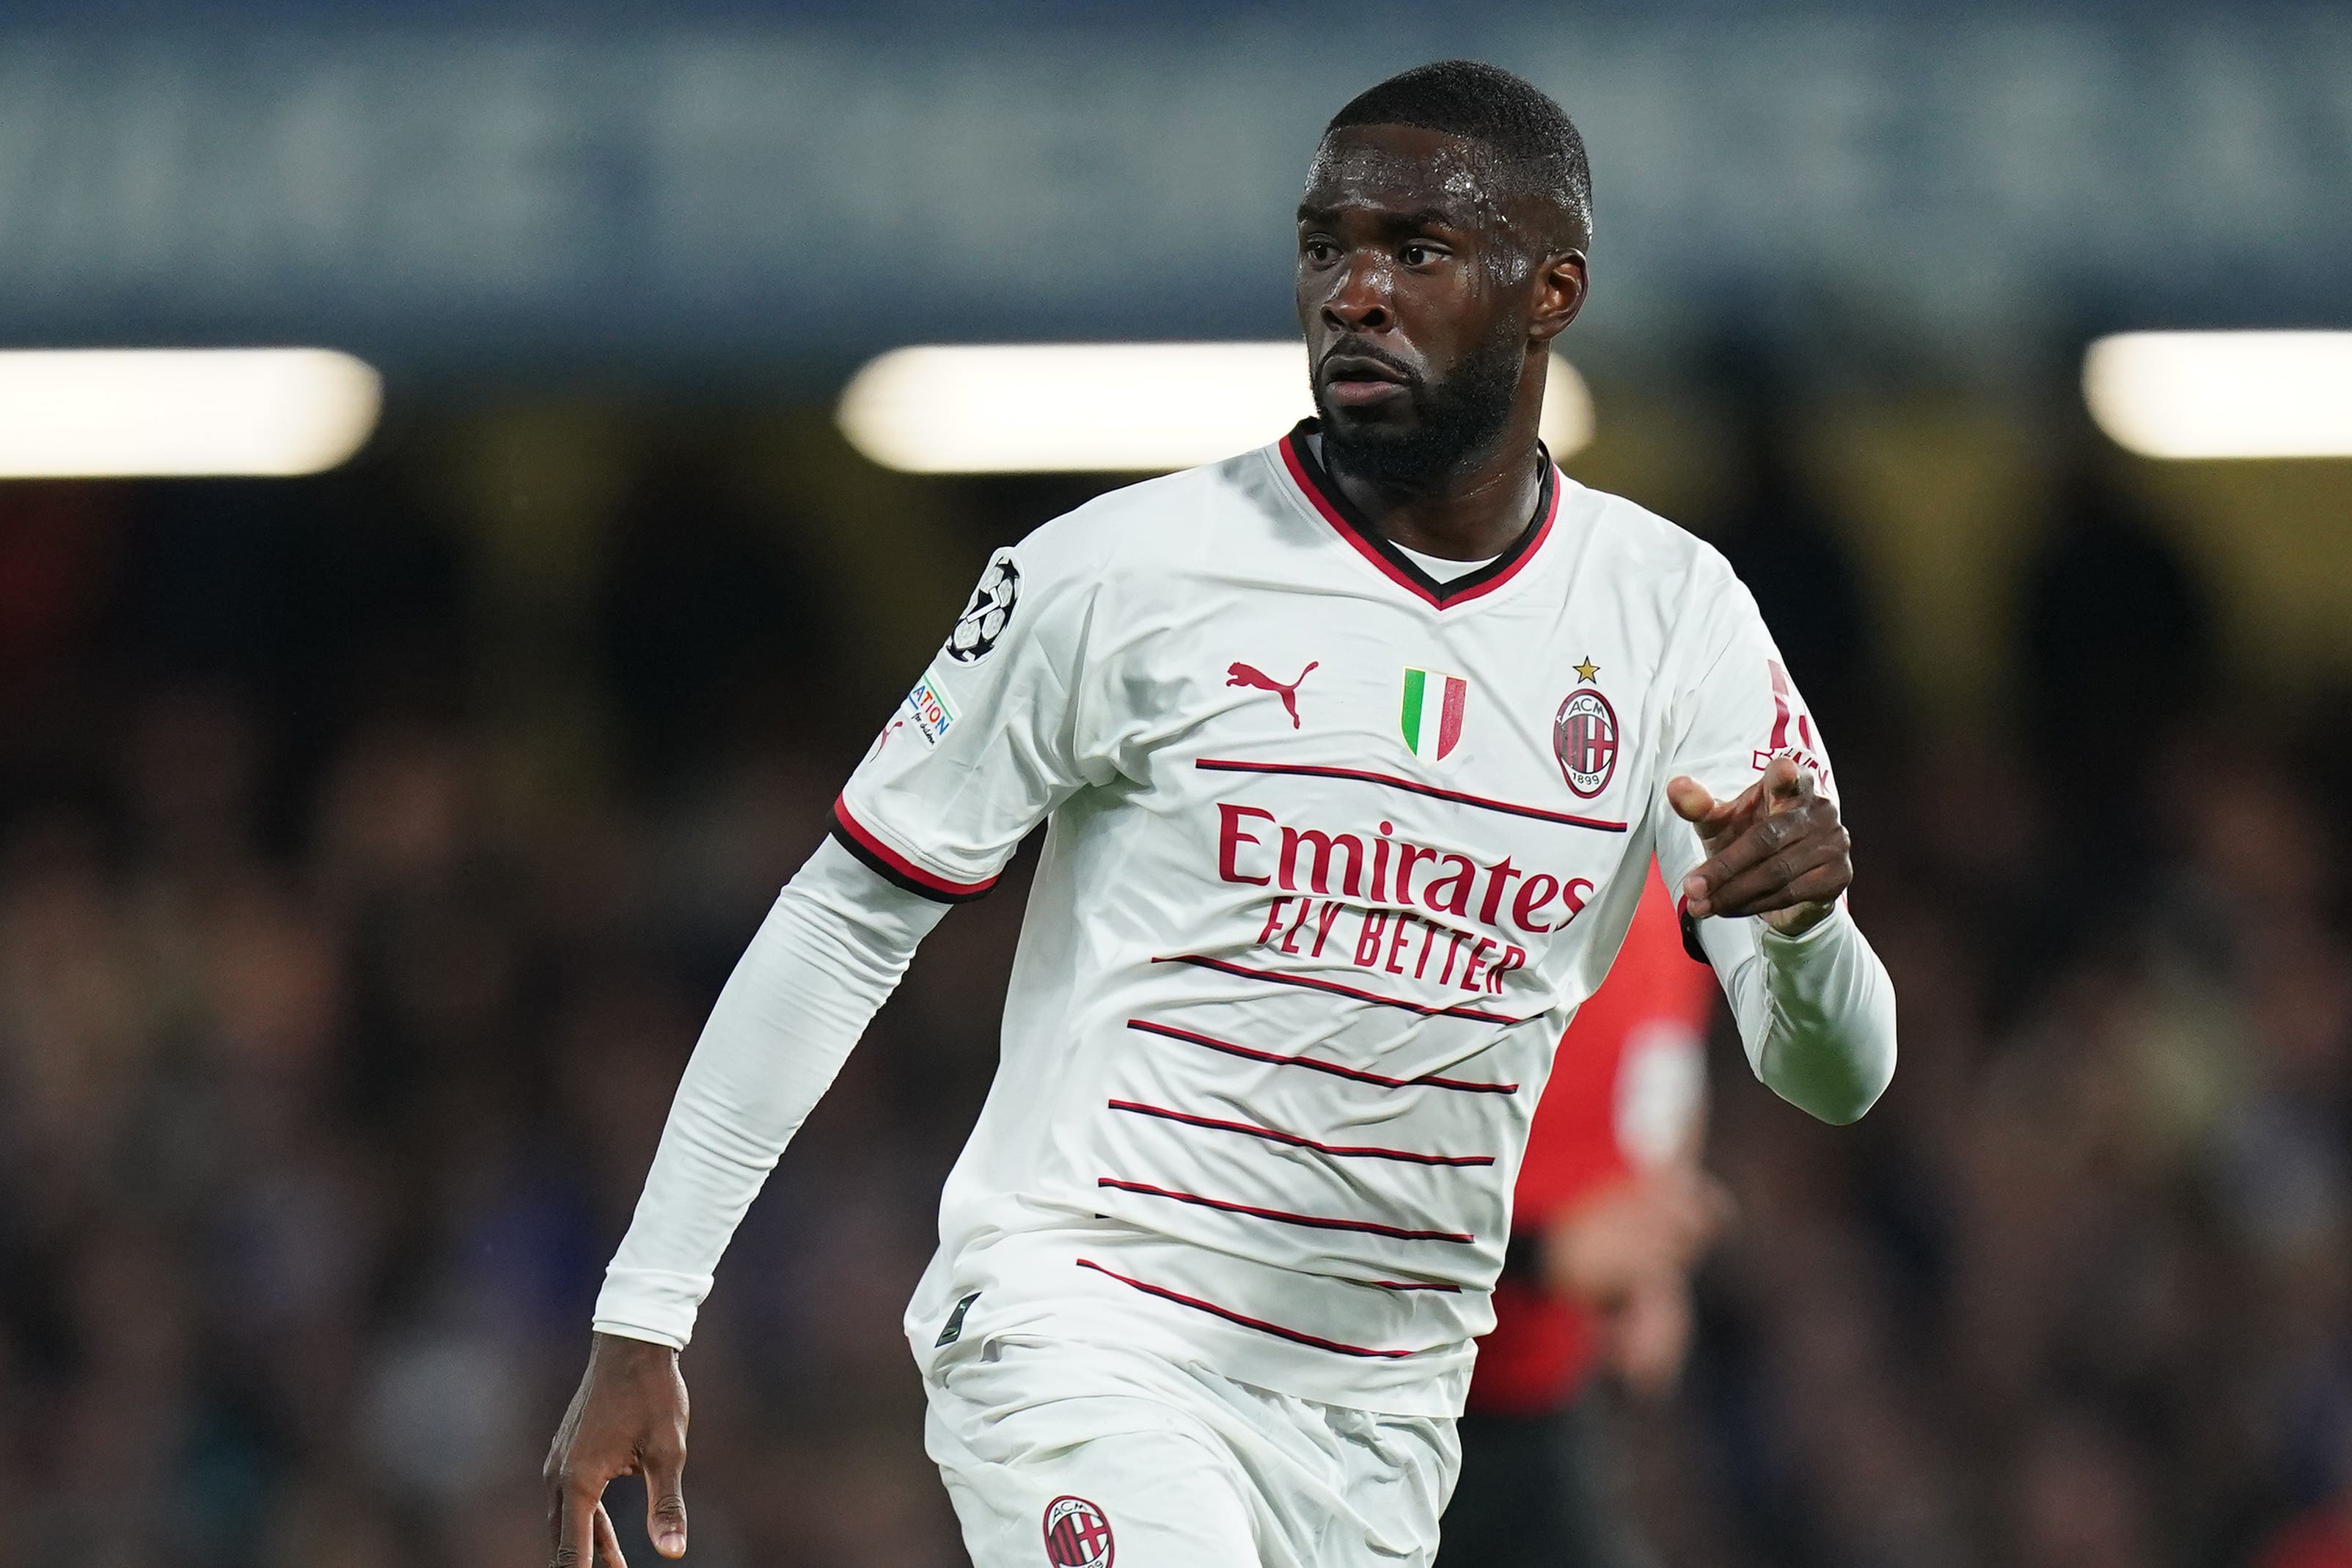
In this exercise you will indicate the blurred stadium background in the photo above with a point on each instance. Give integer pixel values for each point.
(371, 843)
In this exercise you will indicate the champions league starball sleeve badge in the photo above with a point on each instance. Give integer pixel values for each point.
(988, 611)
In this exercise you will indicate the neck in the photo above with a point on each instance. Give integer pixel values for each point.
(1474, 512)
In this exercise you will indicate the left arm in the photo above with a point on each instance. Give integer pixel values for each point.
(1816, 1010)
(1763, 875)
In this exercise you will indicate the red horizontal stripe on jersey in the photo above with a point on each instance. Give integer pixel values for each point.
(1313, 1222)
(1390, 781)
(1201, 961)
(1408, 1285)
(1274, 1135)
(1229, 1315)
(1356, 1075)
(896, 866)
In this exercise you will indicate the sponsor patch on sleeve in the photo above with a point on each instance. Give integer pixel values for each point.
(929, 712)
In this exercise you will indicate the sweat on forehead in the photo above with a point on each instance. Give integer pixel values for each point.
(1529, 143)
(1413, 170)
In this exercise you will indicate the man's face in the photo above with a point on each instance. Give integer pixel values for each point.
(1417, 290)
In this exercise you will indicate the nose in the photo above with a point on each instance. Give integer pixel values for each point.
(1359, 301)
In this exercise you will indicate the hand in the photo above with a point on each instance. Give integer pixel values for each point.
(1778, 851)
(1627, 1254)
(1635, 1237)
(1645, 1338)
(628, 1418)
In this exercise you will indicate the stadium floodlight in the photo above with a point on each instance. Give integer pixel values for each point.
(2223, 394)
(155, 412)
(984, 408)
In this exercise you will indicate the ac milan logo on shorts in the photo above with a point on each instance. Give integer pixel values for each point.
(1584, 737)
(1077, 1534)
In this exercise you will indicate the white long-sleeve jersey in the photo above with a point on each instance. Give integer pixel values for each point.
(1334, 851)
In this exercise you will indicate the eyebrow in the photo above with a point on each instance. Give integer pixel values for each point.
(1419, 219)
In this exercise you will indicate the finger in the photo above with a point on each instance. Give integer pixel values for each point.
(1717, 822)
(574, 1510)
(1722, 1208)
(1806, 892)
(1820, 886)
(1719, 818)
(1744, 893)
(1785, 783)
(1752, 848)
(1709, 1214)
(1690, 1217)
(1652, 1338)
(665, 1501)
(608, 1541)
(1811, 863)
(1689, 799)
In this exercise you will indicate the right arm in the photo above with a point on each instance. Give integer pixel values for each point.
(826, 959)
(991, 739)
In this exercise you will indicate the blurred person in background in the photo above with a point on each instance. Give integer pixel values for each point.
(2322, 1538)
(1189, 1304)
(2117, 647)
(1608, 1216)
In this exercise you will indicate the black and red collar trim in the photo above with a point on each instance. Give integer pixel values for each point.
(1298, 457)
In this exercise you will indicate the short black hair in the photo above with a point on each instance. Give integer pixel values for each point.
(1488, 104)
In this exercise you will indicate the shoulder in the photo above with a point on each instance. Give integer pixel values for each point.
(1642, 547)
(1170, 523)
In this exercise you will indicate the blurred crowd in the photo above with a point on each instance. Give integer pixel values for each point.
(342, 994)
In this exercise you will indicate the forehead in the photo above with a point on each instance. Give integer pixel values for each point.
(1405, 167)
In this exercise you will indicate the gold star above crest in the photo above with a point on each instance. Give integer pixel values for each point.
(1586, 671)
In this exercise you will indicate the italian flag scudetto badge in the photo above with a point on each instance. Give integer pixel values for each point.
(1432, 716)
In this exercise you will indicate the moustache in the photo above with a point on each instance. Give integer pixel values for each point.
(1351, 348)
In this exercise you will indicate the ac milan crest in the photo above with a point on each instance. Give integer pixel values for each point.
(1077, 1535)
(1584, 737)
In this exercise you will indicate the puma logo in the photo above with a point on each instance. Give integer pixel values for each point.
(1249, 675)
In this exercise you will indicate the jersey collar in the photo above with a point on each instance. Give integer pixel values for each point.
(1353, 526)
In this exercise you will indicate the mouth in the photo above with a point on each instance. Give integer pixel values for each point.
(1357, 381)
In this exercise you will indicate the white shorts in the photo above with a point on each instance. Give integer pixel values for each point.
(1059, 1455)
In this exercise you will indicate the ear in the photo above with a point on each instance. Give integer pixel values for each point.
(1561, 284)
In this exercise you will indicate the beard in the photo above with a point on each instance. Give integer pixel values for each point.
(1454, 420)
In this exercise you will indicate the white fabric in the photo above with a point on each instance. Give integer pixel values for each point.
(1228, 1161)
(1173, 1465)
(827, 956)
(1816, 1012)
(1442, 568)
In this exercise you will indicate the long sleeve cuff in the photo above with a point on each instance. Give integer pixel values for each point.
(1816, 1011)
(650, 1304)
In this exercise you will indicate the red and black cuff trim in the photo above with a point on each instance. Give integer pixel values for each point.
(893, 868)
(1352, 525)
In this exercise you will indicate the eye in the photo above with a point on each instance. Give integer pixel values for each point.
(1416, 254)
(1319, 252)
